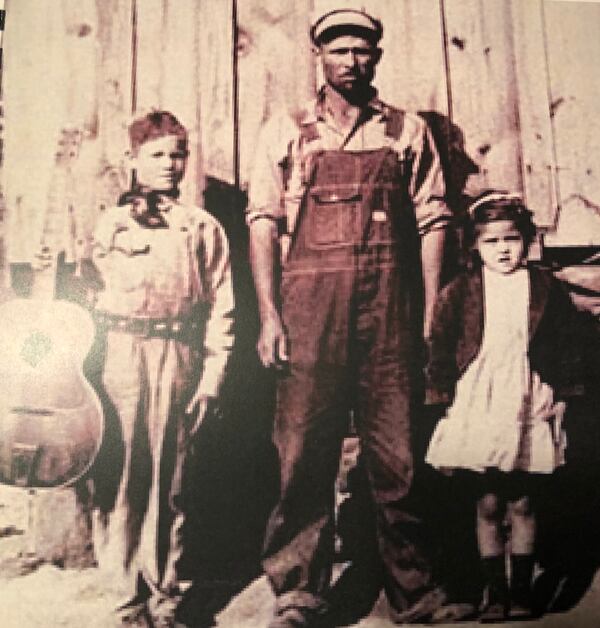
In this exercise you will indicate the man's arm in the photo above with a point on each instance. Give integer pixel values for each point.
(432, 253)
(264, 259)
(433, 215)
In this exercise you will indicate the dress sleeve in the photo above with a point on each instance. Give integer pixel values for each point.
(441, 371)
(218, 334)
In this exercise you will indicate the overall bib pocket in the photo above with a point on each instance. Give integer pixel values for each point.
(334, 216)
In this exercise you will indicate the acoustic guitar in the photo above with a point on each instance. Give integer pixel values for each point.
(51, 420)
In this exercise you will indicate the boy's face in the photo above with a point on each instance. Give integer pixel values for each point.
(160, 163)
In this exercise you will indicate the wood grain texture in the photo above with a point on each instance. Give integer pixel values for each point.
(184, 65)
(35, 109)
(535, 125)
(215, 84)
(573, 59)
(412, 73)
(509, 87)
(484, 98)
(276, 66)
(103, 165)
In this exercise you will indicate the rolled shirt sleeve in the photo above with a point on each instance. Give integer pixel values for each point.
(277, 166)
(427, 186)
(267, 182)
(215, 263)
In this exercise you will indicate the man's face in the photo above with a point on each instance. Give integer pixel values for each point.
(160, 163)
(349, 62)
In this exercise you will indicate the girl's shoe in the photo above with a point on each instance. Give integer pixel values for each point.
(520, 612)
(493, 613)
(521, 594)
(496, 600)
(521, 604)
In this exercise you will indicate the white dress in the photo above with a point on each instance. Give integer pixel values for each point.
(503, 416)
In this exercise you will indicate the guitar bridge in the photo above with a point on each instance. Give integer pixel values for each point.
(24, 461)
(34, 411)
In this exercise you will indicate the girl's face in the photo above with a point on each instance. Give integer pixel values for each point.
(500, 245)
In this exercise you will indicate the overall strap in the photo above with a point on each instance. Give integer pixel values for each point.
(394, 123)
(309, 132)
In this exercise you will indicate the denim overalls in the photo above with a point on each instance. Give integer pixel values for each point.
(351, 305)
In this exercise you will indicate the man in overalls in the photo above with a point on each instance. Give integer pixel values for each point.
(339, 196)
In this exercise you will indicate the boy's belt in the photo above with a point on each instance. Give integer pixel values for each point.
(175, 328)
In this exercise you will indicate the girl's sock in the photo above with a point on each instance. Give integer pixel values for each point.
(520, 583)
(494, 571)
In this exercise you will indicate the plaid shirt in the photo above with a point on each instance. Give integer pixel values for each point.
(278, 181)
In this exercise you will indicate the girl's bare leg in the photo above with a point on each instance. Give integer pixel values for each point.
(490, 515)
(523, 526)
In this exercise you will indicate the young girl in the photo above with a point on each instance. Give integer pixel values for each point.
(503, 356)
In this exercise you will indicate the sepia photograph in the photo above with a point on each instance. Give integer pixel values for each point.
(299, 313)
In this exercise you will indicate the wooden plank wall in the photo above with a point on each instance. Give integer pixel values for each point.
(509, 87)
(573, 52)
(276, 68)
(87, 65)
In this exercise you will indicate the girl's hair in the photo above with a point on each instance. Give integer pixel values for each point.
(153, 125)
(493, 205)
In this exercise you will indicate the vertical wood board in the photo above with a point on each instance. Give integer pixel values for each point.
(484, 98)
(535, 127)
(573, 59)
(275, 63)
(215, 81)
(35, 104)
(411, 73)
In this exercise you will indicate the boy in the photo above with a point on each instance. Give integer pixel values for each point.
(165, 307)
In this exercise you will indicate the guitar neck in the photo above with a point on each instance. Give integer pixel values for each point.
(58, 228)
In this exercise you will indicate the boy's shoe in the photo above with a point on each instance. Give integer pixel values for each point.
(134, 616)
(162, 611)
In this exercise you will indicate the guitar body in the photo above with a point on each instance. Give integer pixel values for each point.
(51, 420)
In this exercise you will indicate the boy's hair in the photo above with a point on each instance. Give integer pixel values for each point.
(153, 125)
(493, 205)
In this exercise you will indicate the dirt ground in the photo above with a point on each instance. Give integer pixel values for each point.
(35, 594)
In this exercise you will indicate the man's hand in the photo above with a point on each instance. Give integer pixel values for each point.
(196, 410)
(272, 343)
(428, 320)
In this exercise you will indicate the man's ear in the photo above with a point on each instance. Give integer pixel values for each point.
(316, 50)
(377, 55)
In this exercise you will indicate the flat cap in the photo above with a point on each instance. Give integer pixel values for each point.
(343, 21)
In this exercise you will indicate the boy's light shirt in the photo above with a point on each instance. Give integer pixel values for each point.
(164, 273)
